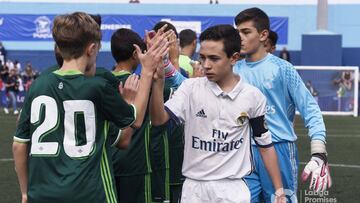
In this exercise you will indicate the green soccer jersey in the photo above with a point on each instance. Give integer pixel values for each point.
(169, 151)
(65, 120)
(135, 159)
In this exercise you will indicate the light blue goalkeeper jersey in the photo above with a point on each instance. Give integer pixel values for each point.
(284, 90)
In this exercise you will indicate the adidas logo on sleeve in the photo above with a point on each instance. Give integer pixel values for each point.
(201, 114)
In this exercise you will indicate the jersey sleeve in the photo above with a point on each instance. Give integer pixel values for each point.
(178, 104)
(305, 103)
(114, 134)
(22, 133)
(115, 108)
(261, 134)
(108, 76)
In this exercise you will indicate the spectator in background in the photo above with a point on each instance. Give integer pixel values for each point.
(17, 65)
(312, 90)
(9, 64)
(270, 44)
(187, 49)
(134, 1)
(284, 54)
(12, 88)
(4, 72)
(2, 54)
(28, 76)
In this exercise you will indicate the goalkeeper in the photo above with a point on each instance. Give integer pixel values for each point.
(285, 92)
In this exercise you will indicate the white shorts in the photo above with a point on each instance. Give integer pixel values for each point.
(217, 191)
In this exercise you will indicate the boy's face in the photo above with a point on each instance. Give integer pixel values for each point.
(270, 48)
(251, 39)
(214, 61)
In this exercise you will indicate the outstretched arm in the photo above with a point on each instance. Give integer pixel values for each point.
(149, 61)
(20, 153)
(158, 113)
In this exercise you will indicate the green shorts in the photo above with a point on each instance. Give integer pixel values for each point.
(175, 193)
(134, 189)
(160, 189)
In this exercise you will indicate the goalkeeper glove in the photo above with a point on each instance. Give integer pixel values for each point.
(318, 168)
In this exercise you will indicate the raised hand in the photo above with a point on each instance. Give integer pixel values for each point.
(129, 90)
(174, 50)
(153, 58)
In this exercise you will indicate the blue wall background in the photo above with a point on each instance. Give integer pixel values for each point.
(302, 20)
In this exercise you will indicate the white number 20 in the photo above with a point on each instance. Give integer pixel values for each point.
(51, 122)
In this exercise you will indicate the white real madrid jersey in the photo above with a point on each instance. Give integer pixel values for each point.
(217, 127)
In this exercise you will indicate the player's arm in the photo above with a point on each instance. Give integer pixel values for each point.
(310, 112)
(175, 107)
(172, 76)
(269, 157)
(158, 114)
(125, 138)
(263, 140)
(20, 146)
(149, 61)
(20, 153)
(122, 138)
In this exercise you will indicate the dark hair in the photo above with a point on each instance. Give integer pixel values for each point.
(273, 37)
(226, 33)
(97, 18)
(186, 37)
(257, 16)
(169, 27)
(122, 41)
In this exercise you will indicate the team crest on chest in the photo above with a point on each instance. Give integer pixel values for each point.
(242, 118)
(61, 85)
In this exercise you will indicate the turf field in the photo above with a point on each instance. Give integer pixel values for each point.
(343, 148)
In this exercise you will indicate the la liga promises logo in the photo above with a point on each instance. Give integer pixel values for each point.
(290, 196)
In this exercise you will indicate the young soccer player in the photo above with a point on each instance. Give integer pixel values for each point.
(285, 92)
(218, 111)
(135, 166)
(131, 166)
(61, 148)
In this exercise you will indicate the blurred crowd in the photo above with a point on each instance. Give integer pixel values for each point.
(14, 79)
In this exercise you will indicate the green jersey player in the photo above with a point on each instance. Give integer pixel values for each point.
(65, 117)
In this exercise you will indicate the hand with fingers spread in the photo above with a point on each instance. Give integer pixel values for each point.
(174, 51)
(318, 168)
(151, 36)
(153, 58)
(129, 90)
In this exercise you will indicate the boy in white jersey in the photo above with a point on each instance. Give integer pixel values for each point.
(285, 91)
(219, 111)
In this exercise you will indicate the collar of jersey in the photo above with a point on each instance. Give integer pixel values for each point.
(120, 73)
(232, 94)
(67, 72)
(254, 63)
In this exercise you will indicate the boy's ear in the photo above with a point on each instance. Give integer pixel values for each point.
(92, 49)
(234, 58)
(264, 35)
(134, 55)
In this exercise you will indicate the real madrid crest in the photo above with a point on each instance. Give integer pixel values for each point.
(242, 118)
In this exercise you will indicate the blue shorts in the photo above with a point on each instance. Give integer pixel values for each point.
(259, 182)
